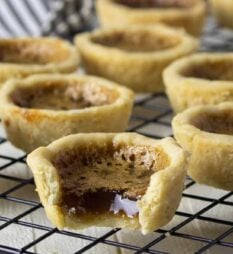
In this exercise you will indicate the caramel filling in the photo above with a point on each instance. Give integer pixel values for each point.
(100, 201)
(211, 70)
(61, 97)
(156, 3)
(31, 52)
(103, 179)
(136, 41)
(219, 123)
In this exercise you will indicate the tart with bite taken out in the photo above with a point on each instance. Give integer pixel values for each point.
(115, 180)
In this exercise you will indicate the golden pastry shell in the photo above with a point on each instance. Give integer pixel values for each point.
(223, 10)
(29, 128)
(185, 91)
(21, 57)
(191, 19)
(140, 71)
(211, 160)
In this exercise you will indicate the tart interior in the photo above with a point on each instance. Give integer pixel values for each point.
(63, 96)
(156, 3)
(215, 122)
(32, 52)
(99, 178)
(141, 40)
(211, 70)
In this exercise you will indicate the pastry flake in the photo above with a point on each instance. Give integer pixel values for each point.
(206, 132)
(133, 56)
(199, 79)
(21, 57)
(114, 180)
(39, 109)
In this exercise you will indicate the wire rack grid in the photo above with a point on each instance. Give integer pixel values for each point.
(203, 228)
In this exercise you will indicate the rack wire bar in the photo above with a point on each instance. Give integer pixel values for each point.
(152, 116)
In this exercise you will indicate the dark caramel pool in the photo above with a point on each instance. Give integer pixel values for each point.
(101, 178)
(218, 123)
(142, 40)
(220, 69)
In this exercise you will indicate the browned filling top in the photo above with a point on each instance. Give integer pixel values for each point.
(97, 179)
(142, 40)
(32, 52)
(211, 70)
(219, 122)
(63, 97)
(156, 3)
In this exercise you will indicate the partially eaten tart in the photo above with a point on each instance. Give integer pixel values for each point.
(188, 14)
(199, 79)
(114, 180)
(133, 56)
(223, 9)
(21, 57)
(206, 132)
(39, 109)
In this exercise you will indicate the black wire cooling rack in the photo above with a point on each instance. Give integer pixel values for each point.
(200, 225)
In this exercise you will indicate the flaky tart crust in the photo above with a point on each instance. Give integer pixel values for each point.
(223, 10)
(133, 56)
(206, 133)
(41, 108)
(199, 79)
(191, 19)
(21, 57)
(157, 205)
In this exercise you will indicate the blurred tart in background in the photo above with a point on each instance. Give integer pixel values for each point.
(199, 79)
(223, 9)
(22, 57)
(134, 56)
(188, 14)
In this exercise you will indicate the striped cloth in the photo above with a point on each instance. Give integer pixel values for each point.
(44, 17)
(68, 17)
